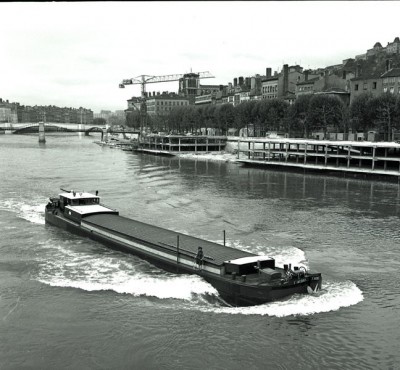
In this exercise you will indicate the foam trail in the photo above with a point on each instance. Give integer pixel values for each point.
(181, 287)
(220, 157)
(334, 296)
(31, 212)
(119, 273)
(63, 266)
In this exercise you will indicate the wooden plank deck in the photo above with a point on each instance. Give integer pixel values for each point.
(166, 239)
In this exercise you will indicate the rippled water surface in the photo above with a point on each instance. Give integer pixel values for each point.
(69, 302)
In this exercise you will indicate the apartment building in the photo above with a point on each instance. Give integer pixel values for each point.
(371, 84)
(306, 87)
(269, 87)
(8, 111)
(53, 114)
(163, 103)
(390, 81)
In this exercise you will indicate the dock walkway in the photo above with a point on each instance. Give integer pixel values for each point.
(181, 143)
(360, 157)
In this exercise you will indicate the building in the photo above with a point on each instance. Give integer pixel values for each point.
(163, 103)
(378, 49)
(5, 114)
(269, 87)
(134, 104)
(306, 87)
(283, 85)
(371, 84)
(334, 80)
(393, 47)
(209, 89)
(375, 50)
(210, 94)
(288, 79)
(376, 75)
(390, 81)
(206, 99)
(189, 85)
(8, 111)
(54, 114)
(343, 95)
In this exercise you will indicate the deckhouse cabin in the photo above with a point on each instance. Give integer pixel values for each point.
(77, 205)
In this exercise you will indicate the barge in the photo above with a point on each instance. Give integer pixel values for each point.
(241, 278)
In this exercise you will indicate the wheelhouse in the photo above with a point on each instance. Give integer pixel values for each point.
(78, 199)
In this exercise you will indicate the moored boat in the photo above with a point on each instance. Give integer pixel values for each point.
(241, 278)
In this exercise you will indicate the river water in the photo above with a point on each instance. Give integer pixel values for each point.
(69, 302)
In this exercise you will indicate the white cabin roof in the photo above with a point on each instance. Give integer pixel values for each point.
(251, 259)
(78, 195)
(89, 209)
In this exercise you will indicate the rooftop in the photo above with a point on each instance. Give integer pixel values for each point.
(78, 195)
(394, 72)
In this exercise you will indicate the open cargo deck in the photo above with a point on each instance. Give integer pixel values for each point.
(164, 239)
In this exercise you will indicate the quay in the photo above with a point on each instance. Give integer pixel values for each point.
(175, 144)
(363, 158)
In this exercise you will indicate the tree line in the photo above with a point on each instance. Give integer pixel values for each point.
(308, 113)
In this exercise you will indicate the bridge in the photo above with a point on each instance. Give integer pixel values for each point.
(29, 127)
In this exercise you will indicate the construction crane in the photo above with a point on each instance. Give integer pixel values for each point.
(146, 79)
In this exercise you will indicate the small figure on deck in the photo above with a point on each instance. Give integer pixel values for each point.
(199, 258)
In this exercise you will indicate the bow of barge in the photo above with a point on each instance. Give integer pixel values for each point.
(240, 277)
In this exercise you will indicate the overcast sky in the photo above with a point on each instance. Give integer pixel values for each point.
(76, 54)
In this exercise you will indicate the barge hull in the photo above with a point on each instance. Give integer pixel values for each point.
(232, 291)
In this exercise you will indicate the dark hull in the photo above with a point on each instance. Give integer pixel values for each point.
(234, 292)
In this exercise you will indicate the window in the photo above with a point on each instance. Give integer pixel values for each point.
(392, 90)
(374, 85)
(356, 87)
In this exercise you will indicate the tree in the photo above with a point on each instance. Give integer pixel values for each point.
(386, 113)
(360, 114)
(133, 119)
(99, 121)
(276, 113)
(176, 119)
(209, 115)
(324, 112)
(116, 120)
(298, 114)
(244, 114)
(225, 117)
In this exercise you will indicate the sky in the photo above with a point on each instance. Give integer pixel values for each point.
(73, 54)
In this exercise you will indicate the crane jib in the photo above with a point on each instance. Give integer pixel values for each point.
(143, 79)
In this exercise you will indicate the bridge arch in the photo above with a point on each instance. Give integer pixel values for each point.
(34, 127)
(94, 129)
